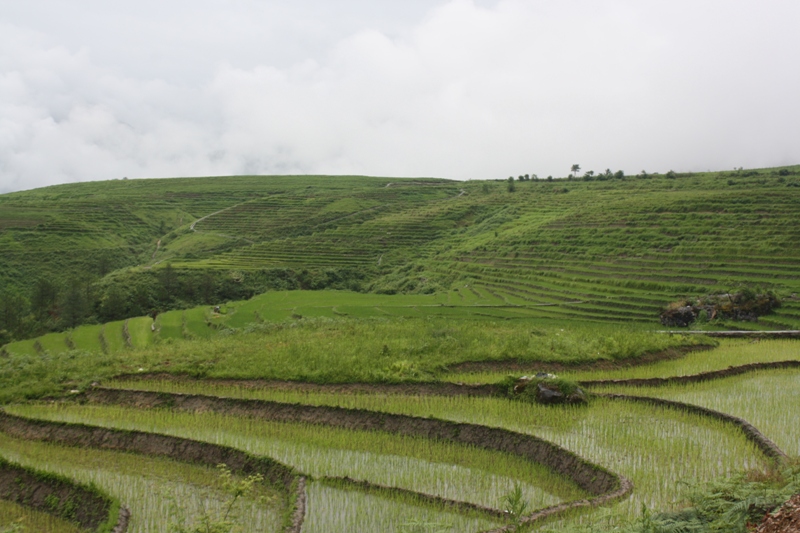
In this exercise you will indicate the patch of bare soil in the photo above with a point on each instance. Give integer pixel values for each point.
(785, 520)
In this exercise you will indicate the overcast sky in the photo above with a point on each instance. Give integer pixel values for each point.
(466, 89)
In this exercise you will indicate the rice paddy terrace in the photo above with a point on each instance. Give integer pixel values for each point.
(416, 457)
(614, 249)
(381, 408)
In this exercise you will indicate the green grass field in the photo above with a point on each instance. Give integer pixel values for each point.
(170, 325)
(87, 338)
(140, 331)
(600, 250)
(373, 281)
(114, 336)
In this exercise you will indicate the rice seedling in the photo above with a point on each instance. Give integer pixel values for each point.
(332, 508)
(658, 449)
(157, 491)
(169, 325)
(768, 399)
(27, 520)
(730, 352)
(195, 324)
(140, 331)
(442, 469)
(53, 342)
(87, 338)
(114, 337)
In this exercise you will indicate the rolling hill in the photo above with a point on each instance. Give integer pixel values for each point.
(598, 248)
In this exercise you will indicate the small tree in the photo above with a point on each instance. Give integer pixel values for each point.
(169, 280)
(235, 489)
(575, 169)
(511, 186)
(75, 305)
(114, 304)
(44, 300)
(13, 309)
(515, 505)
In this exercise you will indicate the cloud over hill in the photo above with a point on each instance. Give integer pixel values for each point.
(456, 88)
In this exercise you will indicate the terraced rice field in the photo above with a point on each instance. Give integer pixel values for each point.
(11, 513)
(158, 492)
(448, 284)
(363, 480)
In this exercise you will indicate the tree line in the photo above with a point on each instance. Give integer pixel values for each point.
(58, 305)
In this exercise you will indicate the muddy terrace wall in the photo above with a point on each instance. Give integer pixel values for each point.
(589, 477)
(178, 449)
(60, 497)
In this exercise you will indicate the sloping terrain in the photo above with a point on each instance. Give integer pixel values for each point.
(601, 248)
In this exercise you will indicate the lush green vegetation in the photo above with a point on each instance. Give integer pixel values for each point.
(615, 248)
(647, 444)
(326, 350)
(159, 492)
(766, 399)
(420, 465)
(224, 278)
(17, 518)
(730, 353)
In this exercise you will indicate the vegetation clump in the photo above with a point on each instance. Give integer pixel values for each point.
(733, 505)
(746, 305)
(544, 388)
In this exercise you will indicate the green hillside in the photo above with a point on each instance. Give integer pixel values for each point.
(362, 342)
(597, 248)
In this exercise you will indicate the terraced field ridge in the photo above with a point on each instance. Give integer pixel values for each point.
(360, 445)
(342, 347)
(600, 250)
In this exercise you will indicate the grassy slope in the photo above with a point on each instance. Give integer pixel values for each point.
(328, 350)
(66, 229)
(598, 250)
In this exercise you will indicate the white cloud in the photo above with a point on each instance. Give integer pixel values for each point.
(468, 91)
